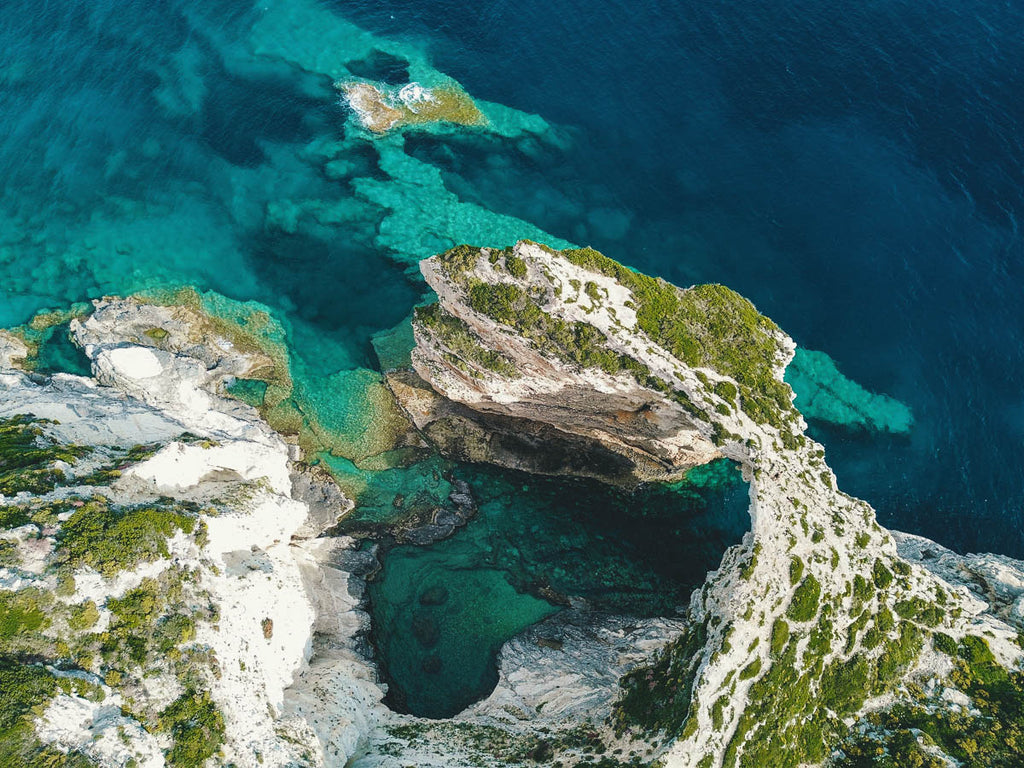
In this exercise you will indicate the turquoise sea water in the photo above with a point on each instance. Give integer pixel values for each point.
(442, 612)
(856, 171)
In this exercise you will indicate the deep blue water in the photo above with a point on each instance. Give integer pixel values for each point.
(856, 170)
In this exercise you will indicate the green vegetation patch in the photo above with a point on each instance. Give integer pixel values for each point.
(804, 605)
(780, 637)
(457, 261)
(795, 710)
(881, 575)
(24, 615)
(515, 266)
(796, 569)
(989, 733)
(457, 336)
(577, 342)
(111, 539)
(197, 727)
(657, 697)
(751, 670)
(152, 629)
(707, 326)
(28, 456)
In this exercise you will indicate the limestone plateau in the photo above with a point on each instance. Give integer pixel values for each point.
(171, 592)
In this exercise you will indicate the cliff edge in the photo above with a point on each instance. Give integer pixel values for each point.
(821, 638)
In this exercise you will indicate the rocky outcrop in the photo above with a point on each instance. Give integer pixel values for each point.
(818, 617)
(538, 370)
(13, 351)
(566, 668)
(275, 649)
(381, 109)
(220, 547)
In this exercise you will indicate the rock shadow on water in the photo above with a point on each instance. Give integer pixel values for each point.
(381, 66)
(334, 283)
(241, 112)
(442, 612)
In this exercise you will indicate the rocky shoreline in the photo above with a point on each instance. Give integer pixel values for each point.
(806, 640)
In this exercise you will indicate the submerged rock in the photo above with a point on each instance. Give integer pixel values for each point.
(435, 595)
(825, 394)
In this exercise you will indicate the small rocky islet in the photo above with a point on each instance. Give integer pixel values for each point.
(183, 581)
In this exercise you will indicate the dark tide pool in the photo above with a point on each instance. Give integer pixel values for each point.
(441, 613)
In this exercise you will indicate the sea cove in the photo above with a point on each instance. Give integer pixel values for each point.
(347, 417)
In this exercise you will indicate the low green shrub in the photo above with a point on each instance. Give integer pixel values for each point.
(111, 539)
(28, 456)
(656, 697)
(804, 605)
(197, 727)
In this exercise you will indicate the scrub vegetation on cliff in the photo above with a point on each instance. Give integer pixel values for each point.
(30, 461)
(987, 731)
(52, 639)
(706, 326)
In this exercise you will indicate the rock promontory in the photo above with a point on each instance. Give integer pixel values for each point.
(822, 638)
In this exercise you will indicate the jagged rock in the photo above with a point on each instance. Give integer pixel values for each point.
(995, 579)
(178, 328)
(13, 351)
(457, 510)
(569, 665)
(530, 400)
(327, 504)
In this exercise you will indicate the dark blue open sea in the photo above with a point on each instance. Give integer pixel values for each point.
(856, 169)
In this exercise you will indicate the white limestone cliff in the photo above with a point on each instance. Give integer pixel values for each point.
(817, 592)
(252, 566)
